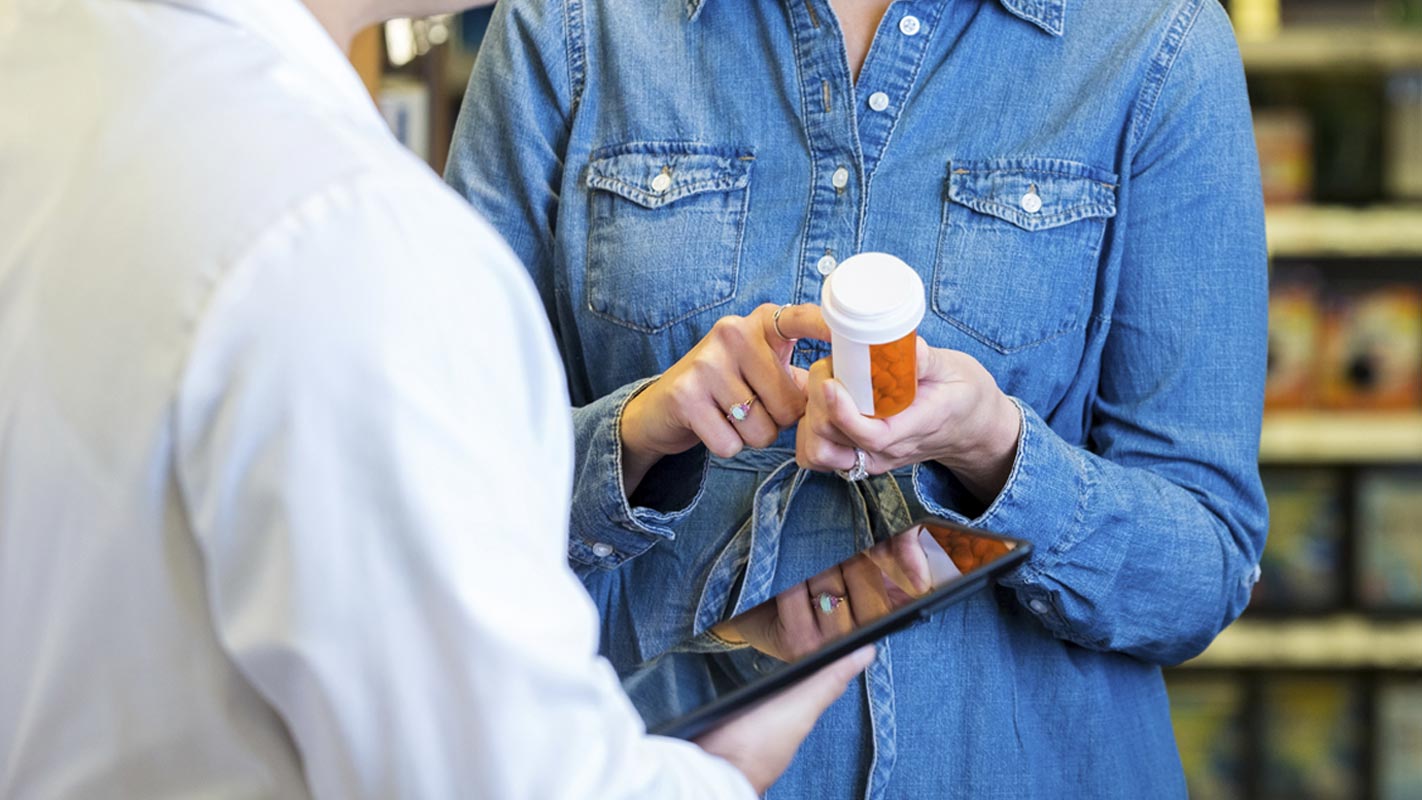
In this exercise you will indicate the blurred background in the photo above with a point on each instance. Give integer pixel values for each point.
(1317, 691)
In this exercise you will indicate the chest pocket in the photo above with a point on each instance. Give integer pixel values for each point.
(1018, 248)
(665, 223)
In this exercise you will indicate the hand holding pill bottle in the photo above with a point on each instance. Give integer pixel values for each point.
(873, 304)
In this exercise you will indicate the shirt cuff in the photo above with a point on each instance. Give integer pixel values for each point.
(1043, 502)
(608, 529)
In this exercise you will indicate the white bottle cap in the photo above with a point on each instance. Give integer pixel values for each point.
(873, 298)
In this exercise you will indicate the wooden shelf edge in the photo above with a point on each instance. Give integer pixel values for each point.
(1335, 437)
(1379, 231)
(1319, 47)
(1341, 641)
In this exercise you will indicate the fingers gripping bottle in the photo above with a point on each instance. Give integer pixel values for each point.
(873, 304)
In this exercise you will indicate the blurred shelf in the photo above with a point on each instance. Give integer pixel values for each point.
(1382, 49)
(1378, 231)
(1341, 436)
(1325, 643)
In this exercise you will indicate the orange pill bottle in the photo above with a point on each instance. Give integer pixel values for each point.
(873, 304)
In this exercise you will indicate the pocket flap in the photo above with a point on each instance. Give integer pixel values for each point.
(653, 174)
(1033, 193)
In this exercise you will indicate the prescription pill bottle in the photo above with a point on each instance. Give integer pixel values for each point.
(873, 303)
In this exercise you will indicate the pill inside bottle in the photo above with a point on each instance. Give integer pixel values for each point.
(873, 304)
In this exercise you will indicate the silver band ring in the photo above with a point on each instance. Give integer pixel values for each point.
(740, 411)
(775, 320)
(828, 603)
(858, 472)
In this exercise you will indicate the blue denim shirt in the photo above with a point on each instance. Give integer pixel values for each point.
(1125, 313)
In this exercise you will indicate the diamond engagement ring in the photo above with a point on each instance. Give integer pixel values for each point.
(827, 602)
(858, 472)
(740, 411)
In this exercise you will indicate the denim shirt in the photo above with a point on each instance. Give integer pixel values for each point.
(1076, 182)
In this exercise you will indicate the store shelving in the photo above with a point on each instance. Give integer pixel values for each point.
(1295, 50)
(1333, 642)
(1331, 437)
(1307, 231)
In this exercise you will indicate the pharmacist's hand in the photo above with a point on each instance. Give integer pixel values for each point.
(760, 742)
(959, 418)
(740, 359)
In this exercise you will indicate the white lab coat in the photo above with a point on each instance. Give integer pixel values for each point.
(284, 448)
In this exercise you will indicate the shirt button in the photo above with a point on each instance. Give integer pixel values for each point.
(908, 26)
(602, 549)
(840, 178)
(826, 264)
(1031, 202)
(1037, 606)
(878, 101)
(661, 183)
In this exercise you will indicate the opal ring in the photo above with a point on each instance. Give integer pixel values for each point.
(740, 411)
(776, 321)
(828, 603)
(858, 472)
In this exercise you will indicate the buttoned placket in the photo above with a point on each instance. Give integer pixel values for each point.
(848, 129)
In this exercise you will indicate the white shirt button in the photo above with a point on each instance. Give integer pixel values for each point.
(661, 183)
(1038, 607)
(1031, 202)
(909, 25)
(826, 264)
(840, 178)
(878, 101)
(602, 549)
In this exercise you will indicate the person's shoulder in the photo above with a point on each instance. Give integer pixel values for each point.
(1161, 23)
(221, 146)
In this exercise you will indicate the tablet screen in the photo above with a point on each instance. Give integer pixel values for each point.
(885, 588)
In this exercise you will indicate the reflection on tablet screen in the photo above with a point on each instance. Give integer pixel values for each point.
(926, 559)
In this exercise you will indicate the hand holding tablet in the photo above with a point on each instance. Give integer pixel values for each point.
(808, 625)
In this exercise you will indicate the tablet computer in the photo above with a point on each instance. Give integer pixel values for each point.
(899, 581)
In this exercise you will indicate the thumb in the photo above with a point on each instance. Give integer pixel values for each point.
(933, 363)
(816, 693)
(800, 376)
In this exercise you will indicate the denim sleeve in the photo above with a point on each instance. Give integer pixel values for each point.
(1147, 541)
(506, 158)
(608, 527)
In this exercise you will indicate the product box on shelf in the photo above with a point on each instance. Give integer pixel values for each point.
(1399, 739)
(1312, 730)
(1389, 525)
(1403, 170)
(1208, 715)
(1284, 138)
(1372, 349)
(1300, 567)
(1295, 333)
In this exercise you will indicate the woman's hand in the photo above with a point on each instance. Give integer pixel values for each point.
(959, 418)
(742, 359)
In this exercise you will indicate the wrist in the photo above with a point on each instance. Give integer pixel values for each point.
(637, 456)
(985, 463)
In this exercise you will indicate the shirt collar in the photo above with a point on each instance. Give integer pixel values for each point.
(1045, 14)
(292, 31)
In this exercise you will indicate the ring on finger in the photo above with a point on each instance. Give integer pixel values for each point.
(828, 603)
(775, 320)
(859, 471)
(739, 411)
